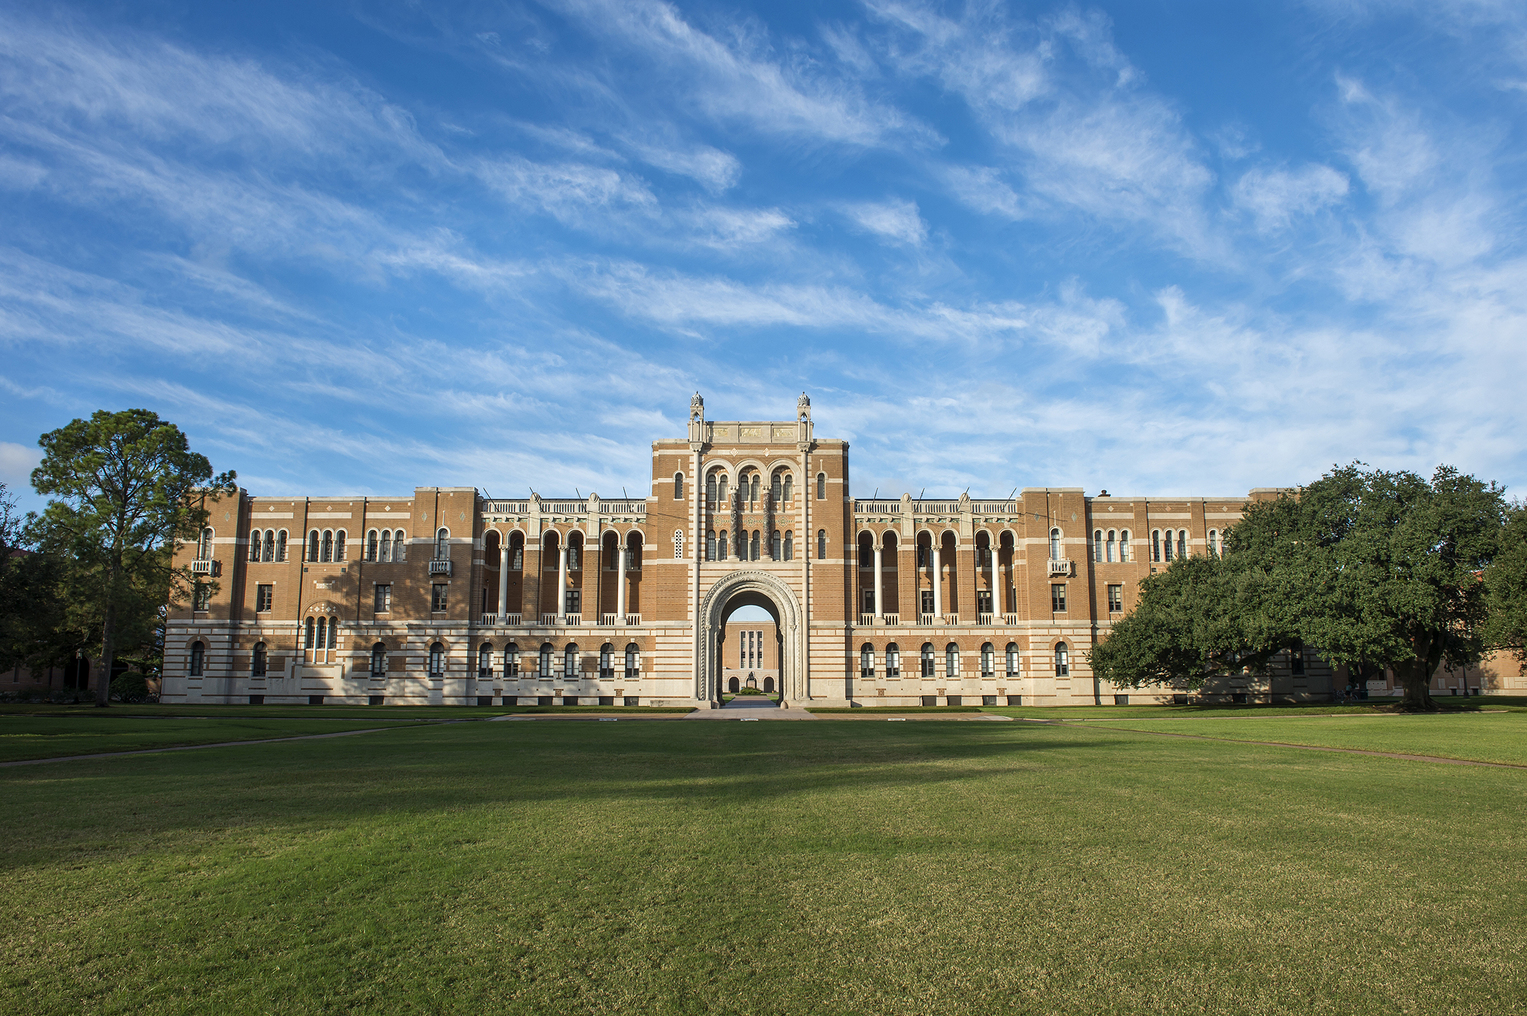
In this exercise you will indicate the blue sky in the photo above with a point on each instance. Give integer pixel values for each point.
(1158, 248)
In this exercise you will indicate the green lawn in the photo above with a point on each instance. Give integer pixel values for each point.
(23, 737)
(828, 867)
(1486, 737)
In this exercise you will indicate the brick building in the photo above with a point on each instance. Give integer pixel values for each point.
(445, 596)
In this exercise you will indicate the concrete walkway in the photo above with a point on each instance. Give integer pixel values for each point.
(751, 707)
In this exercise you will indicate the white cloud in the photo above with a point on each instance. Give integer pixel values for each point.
(1275, 197)
(16, 465)
(894, 220)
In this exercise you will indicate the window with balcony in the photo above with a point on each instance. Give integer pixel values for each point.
(1055, 541)
(443, 545)
(204, 546)
(926, 599)
(438, 597)
(574, 601)
(983, 601)
(1058, 597)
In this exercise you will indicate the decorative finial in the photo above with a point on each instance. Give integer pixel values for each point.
(804, 402)
(696, 404)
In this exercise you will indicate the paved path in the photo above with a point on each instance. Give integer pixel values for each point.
(751, 707)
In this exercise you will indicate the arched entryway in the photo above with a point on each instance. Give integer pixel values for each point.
(751, 588)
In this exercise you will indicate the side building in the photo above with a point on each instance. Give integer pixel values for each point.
(444, 596)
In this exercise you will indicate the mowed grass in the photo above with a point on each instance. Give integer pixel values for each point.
(30, 737)
(1486, 737)
(830, 867)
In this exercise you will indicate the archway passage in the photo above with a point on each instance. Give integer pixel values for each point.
(750, 652)
(778, 602)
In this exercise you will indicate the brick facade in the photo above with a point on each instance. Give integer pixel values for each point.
(592, 600)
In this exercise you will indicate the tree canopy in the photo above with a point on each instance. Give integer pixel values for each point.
(123, 492)
(1374, 568)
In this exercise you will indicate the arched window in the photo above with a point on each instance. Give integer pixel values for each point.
(632, 667)
(1155, 545)
(204, 546)
(789, 488)
(399, 546)
(1097, 545)
(776, 489)
(710, 545)
(821, 544)
(892, 662)
(1213, 543)
(721, 546)
(721, 487)
(988, 661)
(753, 496)
(1182, 543)
(678, 486)
(951, 661)
(753, 546)
(254, 546)
(776, 547)
(710, 488)
(821, 486)
(570, 669)
(1055, 545)
(545, 661)
(1012, 659)
(442, 544)
(1112, 539)
(259, 661)
(1167, 546)
(867, 662)
(328, 546)
(313, 545)
(339, 545)
(606, 662)
(485, 662)
(927, 659)
(789, 545)
(333, 632)
(307, 641)
(1062, 662)
(378, 660)
(436, 660)
(385, 552)
(371, 545)
(1124, 552)
(323, 633)
(271, 551)
(198, 658)
(511, 662)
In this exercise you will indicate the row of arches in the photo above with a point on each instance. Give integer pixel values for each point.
(561, 585)
(750, 547)
(550, 663)
(267, 546)
(928, 661)
(747, 485)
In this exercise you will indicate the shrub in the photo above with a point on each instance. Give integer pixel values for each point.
(130, 687)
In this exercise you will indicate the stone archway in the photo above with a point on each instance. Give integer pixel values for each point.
(757, 588)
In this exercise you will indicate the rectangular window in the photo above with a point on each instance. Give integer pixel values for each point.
(1058, 598)
(437, 599)
(201, 596)
(1115, 599)
(574, 601)
(983, 601)
(382, 602)
(263, 597)
(869, 601)
(927, 599)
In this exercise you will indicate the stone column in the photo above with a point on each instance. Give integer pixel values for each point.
(620, 584)
(878, 610)
(562, 580)
(938, 583)
(503, 579)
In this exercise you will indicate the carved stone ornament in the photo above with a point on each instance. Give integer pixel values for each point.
(804, 402)
(696, 405)
(323, 608)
